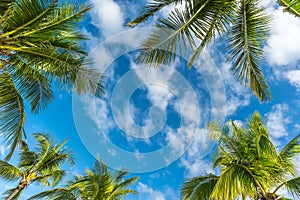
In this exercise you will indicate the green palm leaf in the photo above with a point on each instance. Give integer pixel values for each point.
(291, 6)
(12, 114)
(177, 34)
(293, 187)
(199, 187)
(152, 8)
(9, 172)
(248, 33)
(39, 46)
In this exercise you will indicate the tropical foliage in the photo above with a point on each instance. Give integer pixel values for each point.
(291, 6)
(193, 24)
(39, 45)
(97, 184)
(41, 165)
(250, 165)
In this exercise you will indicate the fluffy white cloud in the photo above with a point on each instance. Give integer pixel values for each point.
(277, 120)
(283, 45)
(294, 78)
(192, 160)
(237, 95)
(146, 192)
(107, 16)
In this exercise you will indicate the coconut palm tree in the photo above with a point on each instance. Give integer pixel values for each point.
(250, 165)
(97, 184)
(42, 166)
(39, 45)
(192, 27)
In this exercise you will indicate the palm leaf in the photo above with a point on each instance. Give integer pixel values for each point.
(33, 86)
(291, 6)
(152, 8)
(55, 194)
(293, 187)
(248, 33)
(12, 114)
(236, 181)
(8, 171)
(176, 35)
(199, 187)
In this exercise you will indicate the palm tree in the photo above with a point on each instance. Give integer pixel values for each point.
(97, 184)
(39, 45)
(43, 165)
(192, 28)
(250, 166)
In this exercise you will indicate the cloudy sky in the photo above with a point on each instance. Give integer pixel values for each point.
(152, 122)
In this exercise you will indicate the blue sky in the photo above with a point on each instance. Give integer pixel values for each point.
(152, 121)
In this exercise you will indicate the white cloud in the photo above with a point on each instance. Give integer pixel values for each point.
(146, 192)
(283, 45)
(277, 120)
(99, 112)
(2, 150)
(107, 16)
(237, 95)
(192, 160)
(294, 78)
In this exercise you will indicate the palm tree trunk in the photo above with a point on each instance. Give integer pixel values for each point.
(17, 190)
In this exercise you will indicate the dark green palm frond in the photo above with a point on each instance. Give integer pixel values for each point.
(199, 187)
(12, 114)
(248, 33)
(152, 8)
(291, 149)
(25, 14)
(27, 159)
(177, 34)
(293, 187)
(291, 6)
(9, 172)
(287, 155)
(55, 194)
(33, 86)
(4, 6)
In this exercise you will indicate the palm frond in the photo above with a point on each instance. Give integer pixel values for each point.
(236, 181)
(152, 8)
(9, 172)
(291, 6)
(4, 7)
(199, 187)
(89, 80)
(55, 194)
(293, 187)
(33, 86)
(12, 113)
(177, 34)
(291, 149)
(248, 33)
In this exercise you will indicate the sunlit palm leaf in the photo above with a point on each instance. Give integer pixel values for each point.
(39, 46)
(43, 166)
(291, 6)
(199, 187)
(9, 172)
(247, 35)
(55, 194)
(179, 33)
